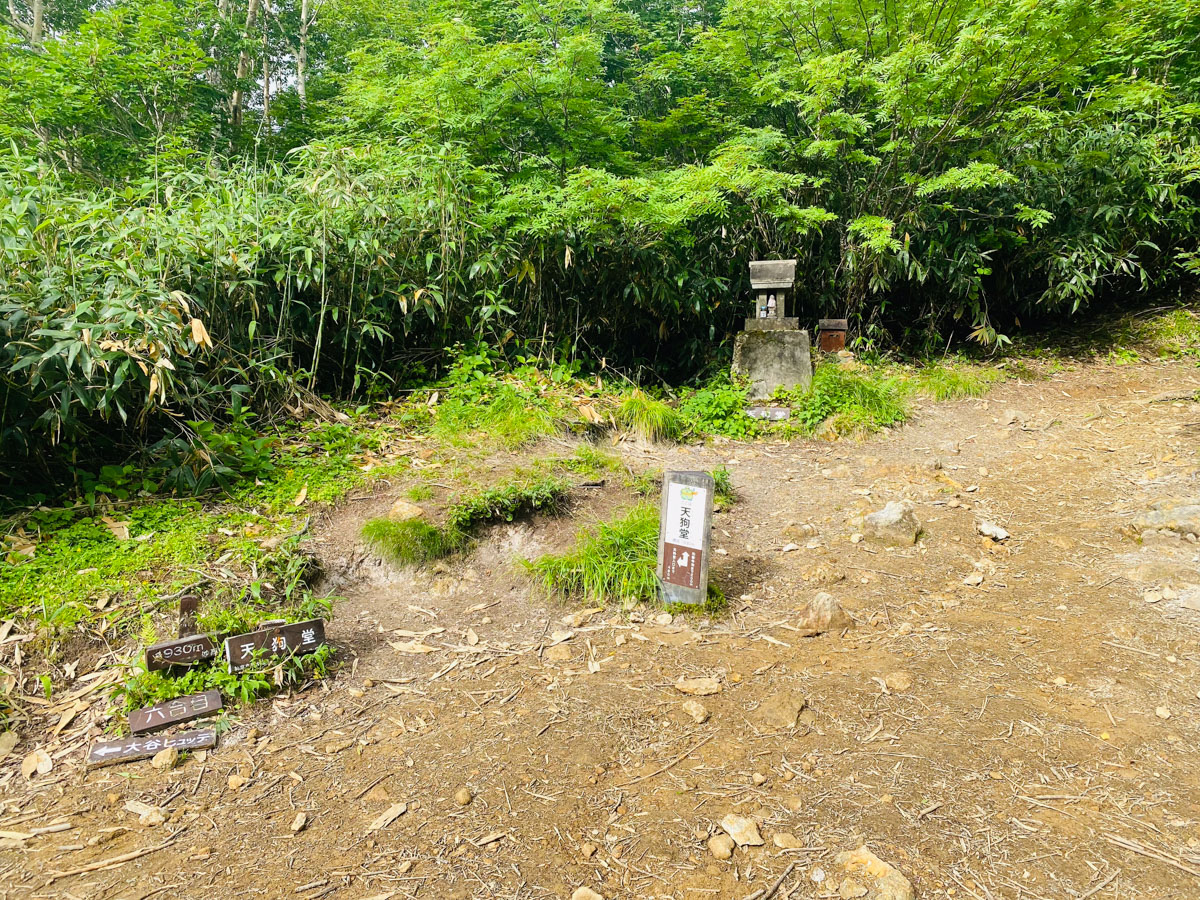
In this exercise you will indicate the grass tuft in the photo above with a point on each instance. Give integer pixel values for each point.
(614, 562)
(504, 503)
(846, 401)
(954, 382)
(650, 419)
(509, 418)
(412, 541)
(723, 487)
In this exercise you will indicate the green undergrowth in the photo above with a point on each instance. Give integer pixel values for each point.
(412, 541)
(416, 541)
(650, 419)
(612, 562)
(723, 492)
(844, 401)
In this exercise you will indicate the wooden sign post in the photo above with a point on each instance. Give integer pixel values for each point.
(685, 522)
(189, 608)
(180, 651)
(279, 640)
(172, 712)
(106, 753)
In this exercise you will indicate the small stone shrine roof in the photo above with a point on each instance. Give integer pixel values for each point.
(773, 274)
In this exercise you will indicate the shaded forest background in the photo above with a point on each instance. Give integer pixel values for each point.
(214, 207)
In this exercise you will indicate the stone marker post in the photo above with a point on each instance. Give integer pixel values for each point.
(685, 520)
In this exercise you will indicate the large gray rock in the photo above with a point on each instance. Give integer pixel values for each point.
(1182, 518)
(896, 524)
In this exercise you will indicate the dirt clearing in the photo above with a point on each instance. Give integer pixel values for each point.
(1007, 719)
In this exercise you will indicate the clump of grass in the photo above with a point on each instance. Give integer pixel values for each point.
(505, 502)
(509, 417)
(412, 541)
(650, 419)
(1173, 334)
(954, 382)
(587, 460)
(419, 492)
(723, 487)
(614, 562)
(645, 483)
(715, 603)
(851, 401)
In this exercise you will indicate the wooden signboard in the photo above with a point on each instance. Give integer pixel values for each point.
(172, 712)
(685, 520)
(107, 753)
(277, 641)
(179, 651)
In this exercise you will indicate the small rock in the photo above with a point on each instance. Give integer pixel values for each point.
(299, 822)
(582, 617)
(698, 687)
(1168, 594)
(558, 653)
(758, 778)
(785, 840)
(788, 548)
(856, 538)
(463, 796)
(975, 579)
(800, 532)
(850, 889)
(165, 759)
(721, 846)
(934, 464)
(744, 831)
(664, 618)
(1152, 596)
(822, 614)
(887, 882)
(1183, 519)
(1015, 417)
(584, 893)
(993, 531)
(779, 711)
(898, 681)
(588, 850)
(895, 525)
(1163, 712)
(236, 782)
(696, 710)
(403, 511)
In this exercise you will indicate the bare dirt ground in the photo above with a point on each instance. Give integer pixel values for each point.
(1031, 736)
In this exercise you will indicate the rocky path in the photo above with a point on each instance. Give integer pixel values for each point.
(1006, 719)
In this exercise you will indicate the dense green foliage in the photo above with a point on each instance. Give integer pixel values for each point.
(206, 208)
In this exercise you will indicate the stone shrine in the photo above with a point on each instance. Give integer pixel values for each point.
(773, 351)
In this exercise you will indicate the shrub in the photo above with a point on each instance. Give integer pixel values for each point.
(719, 408)
(649, 419)
(851, 401)
(612, 562)
(412, 541)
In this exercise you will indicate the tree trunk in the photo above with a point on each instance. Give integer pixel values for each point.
(35, 31)
(266, 76)
(302, 57)
(243, 66)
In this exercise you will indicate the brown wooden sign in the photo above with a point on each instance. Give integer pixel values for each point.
(107, 753)
(172, 712)
(282, 640)
(180, 651)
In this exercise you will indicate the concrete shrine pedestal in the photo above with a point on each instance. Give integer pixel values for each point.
(774, 351)
(771, 359)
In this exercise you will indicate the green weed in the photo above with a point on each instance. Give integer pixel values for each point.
(613, 562)
(719, 408)
(844, 401)
(413, 541)
(723, 487)
(1173, 334)
(649, 419)
(419, 492)
(505, 502)
(587, 460)
(955, 381)
(715, 604)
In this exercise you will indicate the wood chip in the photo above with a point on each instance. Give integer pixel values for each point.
(389, 815)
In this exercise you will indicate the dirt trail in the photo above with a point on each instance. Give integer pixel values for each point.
(1003, 740)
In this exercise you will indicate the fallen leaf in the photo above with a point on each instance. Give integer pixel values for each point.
(300, 497)
(413, 646)
(120, 530)
(38, 761)
(388, 816)
(8, 740)
(472, 637)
